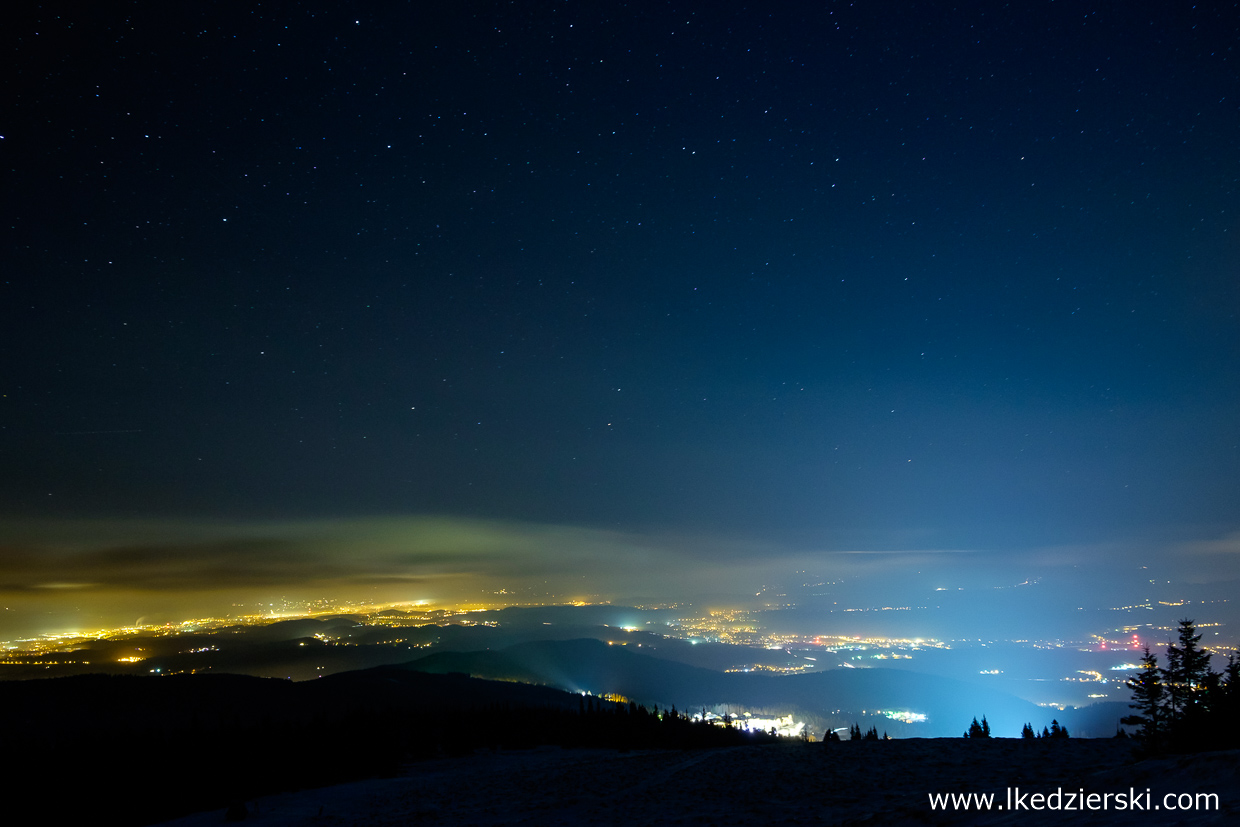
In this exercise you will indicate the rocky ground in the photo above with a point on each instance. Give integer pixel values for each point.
(868, 782)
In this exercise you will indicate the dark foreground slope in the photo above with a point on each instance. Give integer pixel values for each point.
(859, 783)
(841, 696)
(134, 750)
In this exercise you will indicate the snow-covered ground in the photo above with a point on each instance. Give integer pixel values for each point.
(870, 782)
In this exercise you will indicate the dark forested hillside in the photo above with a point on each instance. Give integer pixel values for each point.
(195, 742)
(589, 665)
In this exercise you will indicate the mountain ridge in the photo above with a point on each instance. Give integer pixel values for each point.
(834, 695)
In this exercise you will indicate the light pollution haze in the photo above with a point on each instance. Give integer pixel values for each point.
(83, 575)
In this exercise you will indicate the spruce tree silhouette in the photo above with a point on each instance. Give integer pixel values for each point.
(1149, 699)
(978, 730)
(1188, 668)
(1186, 707)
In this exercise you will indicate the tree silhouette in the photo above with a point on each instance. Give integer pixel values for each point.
(1187, 674)
(1227, 708)
(1149, 697)
(1186, 707)
(977, 730)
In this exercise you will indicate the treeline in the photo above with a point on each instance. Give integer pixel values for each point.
(599, 723)
(1056, 731)
(139, 751)
(854, 734)
(1185, 706)
(1027, 732)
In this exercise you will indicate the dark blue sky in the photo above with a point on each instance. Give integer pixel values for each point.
(838, 274)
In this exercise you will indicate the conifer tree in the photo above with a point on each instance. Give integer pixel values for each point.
(1231, 675)
(978, 730)
(1148, 699)
(1227, 708)
(1187, 673)
(1026, 731)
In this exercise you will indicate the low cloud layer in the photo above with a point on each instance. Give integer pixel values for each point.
(162, 556)
(48, 569)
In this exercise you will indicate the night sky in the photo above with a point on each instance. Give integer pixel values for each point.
(817, 277)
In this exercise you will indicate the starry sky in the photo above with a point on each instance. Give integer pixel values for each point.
(810, 276)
